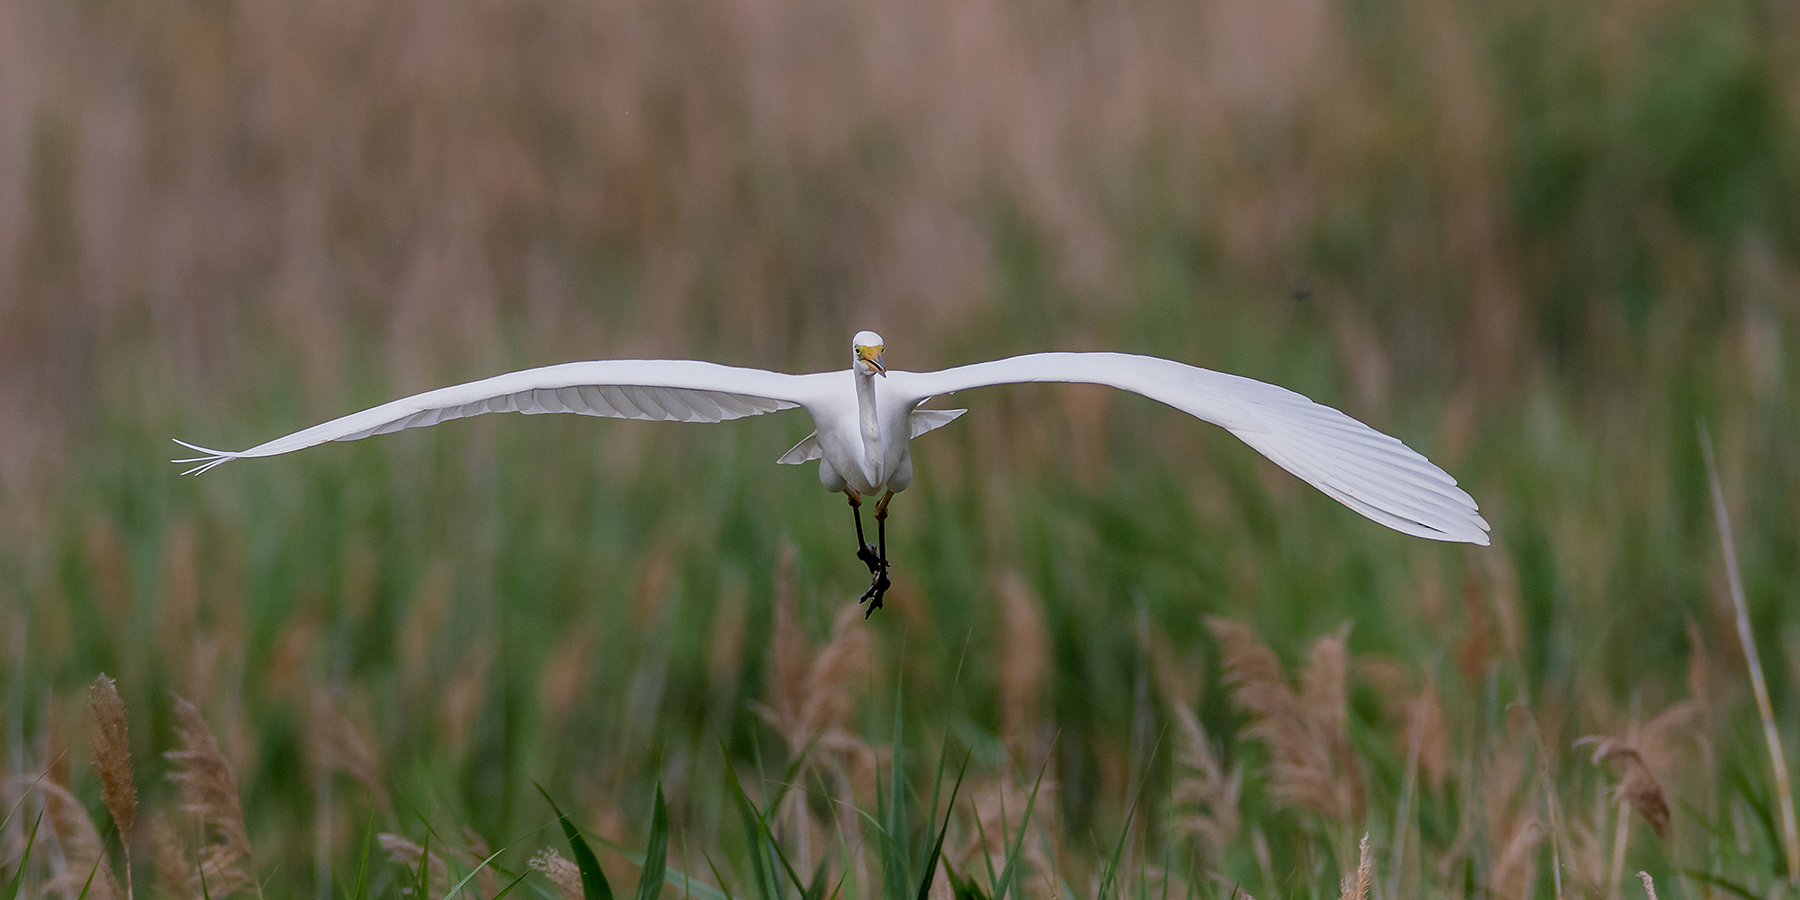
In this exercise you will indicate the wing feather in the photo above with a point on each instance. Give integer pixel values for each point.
(1370, 472)
(653, 389)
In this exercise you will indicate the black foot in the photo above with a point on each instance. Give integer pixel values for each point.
(877, 588)
(867, 554)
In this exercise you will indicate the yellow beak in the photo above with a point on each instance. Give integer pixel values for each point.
(872, 356)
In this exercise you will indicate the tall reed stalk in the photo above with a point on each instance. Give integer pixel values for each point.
(1790, 834)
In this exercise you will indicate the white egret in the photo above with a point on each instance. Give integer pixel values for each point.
(865, 417)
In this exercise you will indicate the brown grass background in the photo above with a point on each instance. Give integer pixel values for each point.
(1538, 240)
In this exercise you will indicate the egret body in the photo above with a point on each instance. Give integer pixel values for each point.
(865, 418)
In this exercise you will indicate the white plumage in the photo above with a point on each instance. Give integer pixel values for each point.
(866, 416)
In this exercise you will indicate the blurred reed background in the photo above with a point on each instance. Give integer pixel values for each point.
(1539, 241)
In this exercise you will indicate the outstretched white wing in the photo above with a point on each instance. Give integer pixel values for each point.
(666, 390)
(1366, 470)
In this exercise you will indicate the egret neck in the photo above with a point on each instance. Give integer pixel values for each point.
(871, 427)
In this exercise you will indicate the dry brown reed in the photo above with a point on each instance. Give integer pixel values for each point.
(725, 650)
(788, 654)
(816, 692)
(1422, 739)
(458, 166)
(563, 874)
(403, 852)
(1422, 730)
(209, 792)
(169, 856)
(112, 757)
(837, 676)
(83, 854)
(474, 853)
(1512, 869)
(112, 754)
(1205, 797)
(336, 743)
(996, 813)
(464, 695)
(1024, 665)
(1784, 789)
(1365, 873)
(812, 695)
(1311, 764)
(1637, 787)
(1509, 825)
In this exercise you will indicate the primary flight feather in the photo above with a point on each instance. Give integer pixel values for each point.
(865, 417)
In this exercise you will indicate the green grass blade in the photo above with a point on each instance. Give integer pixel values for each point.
(1109, 876)
(962, 889)
(457, 888)
(1759, 806)
(987, 859)
(18, 880)
(89, 883)
(593, 881)
(656, 856)
(1720, 883)
(362, 867)
(815, 889)
(716, 876)
(755, 831)
(1012, 855)
(700, 889)
(422, 879)
(511, 884)
(896, 862)
(937, 847)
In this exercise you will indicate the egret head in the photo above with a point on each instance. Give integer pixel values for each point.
(868, 346)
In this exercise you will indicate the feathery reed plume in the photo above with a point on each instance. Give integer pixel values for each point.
(1660, 740)
(787, 645)
(1477, 651)
(465, 696)
(168, 855)
(564, 680)
(813, 701)
(835, 673)
(562, 873)
(1205, 798)
(1024, 663)
(112, 756)
(725, 651)
(82, 849)
(1503, 583)
(334, 742)
(406, 854)
(1422, 740)
(1513, 867)
(1784, 790)
(1420, 715)
(1307, 734)
(999, 811)
(1699, 672)
(1365, 873)
(209, 792)
(111, 744)
(474, 853)
(1584, 855)
(1637, 788)
(1649, 885)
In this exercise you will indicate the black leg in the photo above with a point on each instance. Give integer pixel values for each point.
(864, 551)
(878, 587)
